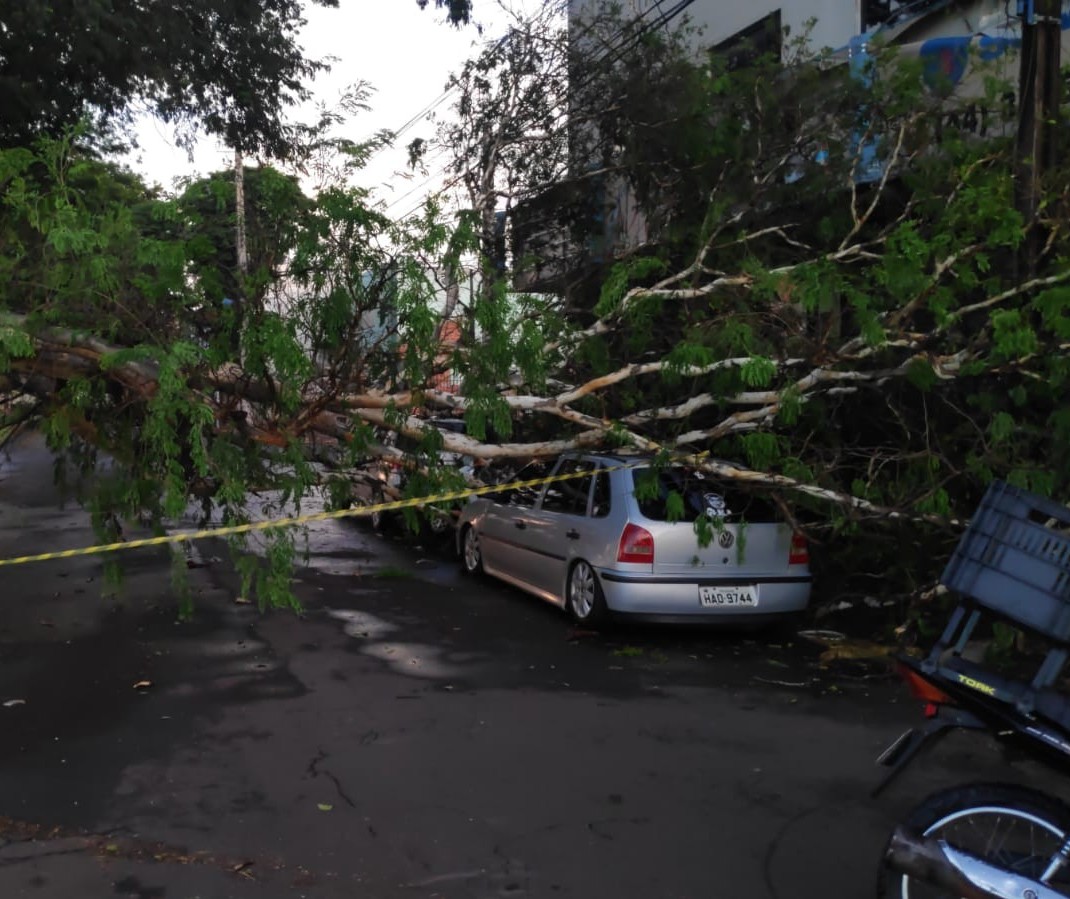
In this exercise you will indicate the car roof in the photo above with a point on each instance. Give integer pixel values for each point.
(624, 458)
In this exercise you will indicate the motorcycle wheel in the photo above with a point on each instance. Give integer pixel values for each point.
(1009, 826)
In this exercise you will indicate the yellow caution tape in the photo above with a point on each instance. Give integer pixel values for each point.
(276, 523)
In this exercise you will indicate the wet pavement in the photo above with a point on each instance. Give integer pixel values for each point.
(413, 733)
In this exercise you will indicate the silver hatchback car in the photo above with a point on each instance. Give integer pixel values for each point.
(603, 542)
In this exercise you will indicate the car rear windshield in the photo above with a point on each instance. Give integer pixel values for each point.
(700, 493)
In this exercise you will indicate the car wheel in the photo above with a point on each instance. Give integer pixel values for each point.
(584, 598)
(436, 532)
(471, 555)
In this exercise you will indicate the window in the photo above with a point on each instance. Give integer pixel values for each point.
(524, 497)
(889, 12)
(747, 46)
(569, 497)
(875, 12)
(700, 495)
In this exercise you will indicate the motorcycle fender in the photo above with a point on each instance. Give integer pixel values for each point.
(903, 749)
(894, 752)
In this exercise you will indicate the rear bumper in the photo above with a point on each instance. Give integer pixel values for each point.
(678, 601)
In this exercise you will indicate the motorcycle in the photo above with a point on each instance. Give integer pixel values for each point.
(992, 840)
(980, 839)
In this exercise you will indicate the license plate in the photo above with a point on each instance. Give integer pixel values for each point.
(724, 597)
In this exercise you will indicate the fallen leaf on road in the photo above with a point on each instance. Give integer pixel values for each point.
(242, 601)
(860, 650)
(324, 807)
(14, 702)
(142, 685)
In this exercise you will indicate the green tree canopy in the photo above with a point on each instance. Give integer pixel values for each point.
(232, 65)
(840, 315)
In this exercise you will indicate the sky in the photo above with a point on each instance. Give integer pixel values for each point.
(405, 53)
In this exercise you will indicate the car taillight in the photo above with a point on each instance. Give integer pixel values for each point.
(799, 554)
(636, 545)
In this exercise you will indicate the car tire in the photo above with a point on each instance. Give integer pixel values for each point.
(584, 599)
(436, 532)
(471, 554)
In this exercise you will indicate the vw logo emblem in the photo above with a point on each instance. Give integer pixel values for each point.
(725, 539)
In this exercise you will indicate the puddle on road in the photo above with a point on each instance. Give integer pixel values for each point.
(362, 624)
(412, 659)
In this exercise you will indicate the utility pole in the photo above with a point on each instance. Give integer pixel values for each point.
(1038, 109)
(239, 217)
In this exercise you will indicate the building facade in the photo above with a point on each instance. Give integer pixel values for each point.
(945, 34)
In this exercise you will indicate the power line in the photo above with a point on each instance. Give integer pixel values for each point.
(430, 107)
(427, 110)
(627, 41)
(422, 184)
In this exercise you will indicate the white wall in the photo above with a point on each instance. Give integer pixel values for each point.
(836, 20)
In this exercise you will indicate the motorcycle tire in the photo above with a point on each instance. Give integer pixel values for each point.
(981, 819)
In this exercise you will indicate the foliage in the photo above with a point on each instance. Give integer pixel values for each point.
(459, 11)
(233, 67)
(816, 276)
(112, 316)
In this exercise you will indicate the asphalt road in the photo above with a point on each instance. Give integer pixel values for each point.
(413, 733)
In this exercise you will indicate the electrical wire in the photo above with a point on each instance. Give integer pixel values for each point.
(628, 40)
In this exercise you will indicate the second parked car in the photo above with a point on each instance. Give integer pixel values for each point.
(621, 537)
(435, 522)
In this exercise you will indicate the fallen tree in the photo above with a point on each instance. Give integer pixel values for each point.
(864, 350)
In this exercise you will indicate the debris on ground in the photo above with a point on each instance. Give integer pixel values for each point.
(823, 637)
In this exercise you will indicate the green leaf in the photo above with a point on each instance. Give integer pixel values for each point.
(14, 344)
(790, 406)
(761, 449)
(758, 371)
(938, 503)
(920, 373)
(1001, 427)
(1012, 335)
